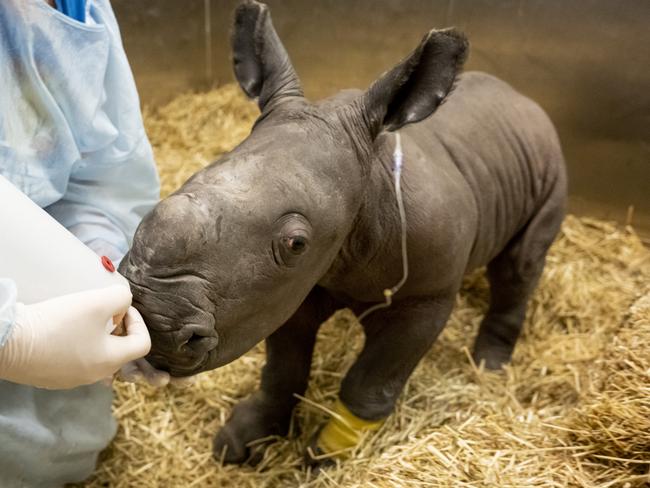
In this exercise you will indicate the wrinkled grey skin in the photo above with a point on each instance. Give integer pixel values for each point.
(300, 220)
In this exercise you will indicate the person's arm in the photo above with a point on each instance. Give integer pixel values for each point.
(61, 339)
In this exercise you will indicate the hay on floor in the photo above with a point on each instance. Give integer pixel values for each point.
(573, 409)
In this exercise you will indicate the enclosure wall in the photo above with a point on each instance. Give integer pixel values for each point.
(587, 62)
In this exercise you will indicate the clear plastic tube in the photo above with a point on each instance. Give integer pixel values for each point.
(398, 159)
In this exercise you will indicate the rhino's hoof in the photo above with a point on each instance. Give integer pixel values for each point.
(228, 448)
(494, 357)
(250, 429)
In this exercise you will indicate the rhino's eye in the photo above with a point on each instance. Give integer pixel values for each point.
(292, 239)
(291, 247)
(296, 244)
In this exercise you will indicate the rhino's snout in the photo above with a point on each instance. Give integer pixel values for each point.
(183, 334)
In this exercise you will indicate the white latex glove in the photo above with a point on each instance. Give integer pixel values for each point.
(140, 371)
(63, 342)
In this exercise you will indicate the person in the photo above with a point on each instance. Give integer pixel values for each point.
(72, 139)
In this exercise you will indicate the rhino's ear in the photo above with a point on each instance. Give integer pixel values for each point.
(414, 89)
(261, 63)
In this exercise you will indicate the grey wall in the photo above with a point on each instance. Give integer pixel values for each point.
(587, 62)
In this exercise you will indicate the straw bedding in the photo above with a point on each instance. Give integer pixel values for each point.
(573, 409)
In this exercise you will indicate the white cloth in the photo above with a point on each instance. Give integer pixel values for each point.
(72, 139)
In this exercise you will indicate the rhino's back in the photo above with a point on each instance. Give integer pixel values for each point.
(503, 146)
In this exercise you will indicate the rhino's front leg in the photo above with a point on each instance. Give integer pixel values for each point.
(288, 360)
(396, 339)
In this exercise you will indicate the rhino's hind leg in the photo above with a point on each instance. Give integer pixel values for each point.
(268, 411)
(513, 276)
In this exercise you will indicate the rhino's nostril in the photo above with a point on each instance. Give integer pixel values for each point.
(199, 344)
(202, 344)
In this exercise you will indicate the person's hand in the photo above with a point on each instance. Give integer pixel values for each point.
(63, 342)
(140, 371)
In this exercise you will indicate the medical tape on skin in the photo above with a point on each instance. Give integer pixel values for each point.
(344, 431)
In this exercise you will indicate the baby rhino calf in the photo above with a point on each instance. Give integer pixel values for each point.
(301, 220)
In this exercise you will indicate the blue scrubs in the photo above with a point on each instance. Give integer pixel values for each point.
(72, 139)
(75, 9)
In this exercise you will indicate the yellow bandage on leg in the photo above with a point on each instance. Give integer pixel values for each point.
(344, 431)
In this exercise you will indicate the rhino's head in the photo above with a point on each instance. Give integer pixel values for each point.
(223, 262)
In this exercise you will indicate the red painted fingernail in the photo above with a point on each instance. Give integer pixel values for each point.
(108, 264)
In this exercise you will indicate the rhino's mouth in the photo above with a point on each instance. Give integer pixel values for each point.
(180, 367)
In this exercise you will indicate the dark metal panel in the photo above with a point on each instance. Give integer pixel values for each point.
(587, 62)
